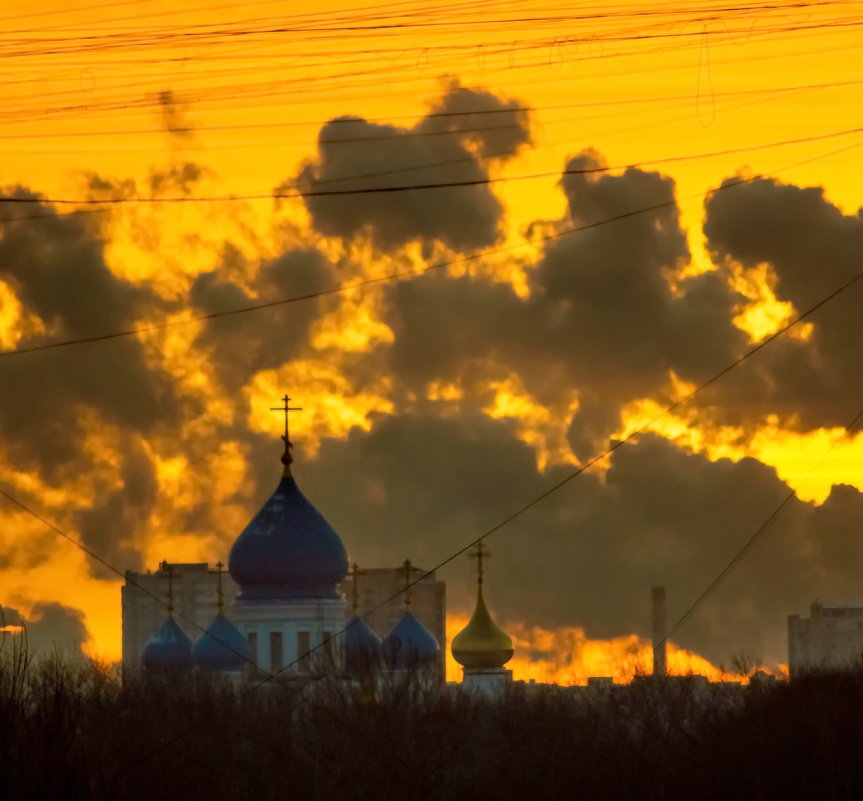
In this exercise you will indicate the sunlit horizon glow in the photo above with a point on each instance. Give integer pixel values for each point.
(567, 656)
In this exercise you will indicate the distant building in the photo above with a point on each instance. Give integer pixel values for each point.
(831, 638)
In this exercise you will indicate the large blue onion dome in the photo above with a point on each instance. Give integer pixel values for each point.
(288, 551)
(410, 645)
(168, 650)
(362, 647)
(222, 647)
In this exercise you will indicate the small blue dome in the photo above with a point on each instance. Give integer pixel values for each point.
(169, 649)
(362, 647)
(222, 647)
(288, 551)
(410, 645)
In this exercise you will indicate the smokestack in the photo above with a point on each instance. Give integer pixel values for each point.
(657, 597)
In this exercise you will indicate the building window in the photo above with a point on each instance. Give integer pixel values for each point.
(276, 659)
(328, 649)
(303, 646)
(253, 647)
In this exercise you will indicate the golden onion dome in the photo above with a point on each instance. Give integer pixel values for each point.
(482, 643)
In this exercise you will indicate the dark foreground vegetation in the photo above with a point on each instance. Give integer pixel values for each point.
(72, 730)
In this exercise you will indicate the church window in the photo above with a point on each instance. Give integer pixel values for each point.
(253, 647)
(303, 645)
(328, 648)
(276, 658)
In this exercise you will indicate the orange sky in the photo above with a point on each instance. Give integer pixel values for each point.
(255, 80)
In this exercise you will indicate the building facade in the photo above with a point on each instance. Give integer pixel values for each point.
(831, 638)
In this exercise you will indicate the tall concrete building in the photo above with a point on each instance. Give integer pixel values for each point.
(195, 598)
(831, 638)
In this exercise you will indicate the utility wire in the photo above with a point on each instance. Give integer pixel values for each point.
(348, 118)
(396, 276)
(95, 557)
(305, 192)
(759, 532)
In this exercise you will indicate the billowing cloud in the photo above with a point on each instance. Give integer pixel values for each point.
(50, 627)
(354, 153)
(56, 267)
(111, 527)
(811, 248)
(243, 345)
(609, 312)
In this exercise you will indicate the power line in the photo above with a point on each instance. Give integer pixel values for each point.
(759, 532)
(347, 119)
(95, 557)
(307, 193)
(268, 89)
(401, 275)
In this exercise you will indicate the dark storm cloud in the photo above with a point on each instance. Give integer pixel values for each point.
(463, 218)
(109, 529)
(602, 316)
(423, 487)
(56, 267)
(446, 327)
(243, 345)
(812, 248)
(51, 627)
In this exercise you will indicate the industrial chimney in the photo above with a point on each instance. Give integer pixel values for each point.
(657, 597)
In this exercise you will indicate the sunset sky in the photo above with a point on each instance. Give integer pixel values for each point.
(144, 142)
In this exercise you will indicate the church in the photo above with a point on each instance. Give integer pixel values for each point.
(287, 614)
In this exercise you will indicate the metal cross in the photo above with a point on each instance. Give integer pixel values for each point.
(355, 574)
(169, 569)
(482, 553)
(287, 409)
(220, 567)
(408, 569)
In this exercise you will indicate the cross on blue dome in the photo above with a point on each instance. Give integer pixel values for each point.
(288, 550)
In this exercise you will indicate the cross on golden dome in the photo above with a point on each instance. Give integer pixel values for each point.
(480, 554)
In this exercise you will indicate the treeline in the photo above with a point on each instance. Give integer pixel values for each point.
(73, 730)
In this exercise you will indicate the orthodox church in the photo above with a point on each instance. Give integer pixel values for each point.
(289, 616)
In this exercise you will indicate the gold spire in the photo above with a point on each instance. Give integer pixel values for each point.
(287, 456)
(482, 643)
